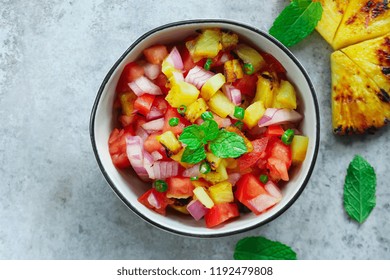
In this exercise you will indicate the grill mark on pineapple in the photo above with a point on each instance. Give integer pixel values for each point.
(384, 96)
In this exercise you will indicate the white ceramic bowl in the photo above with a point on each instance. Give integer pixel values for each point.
(127, 185)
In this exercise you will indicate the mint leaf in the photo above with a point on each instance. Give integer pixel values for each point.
(228, 145)
(296, 21)
(359, 189)
(210, 129)
(192, 136)
(193, 155)
(260, 248)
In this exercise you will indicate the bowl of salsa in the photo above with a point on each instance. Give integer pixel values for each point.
(206, 127)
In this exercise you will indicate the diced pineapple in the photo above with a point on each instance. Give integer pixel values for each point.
(298, 148)
(169, 141)
(231, 163)
(266, 85)
(229, 40)
(253, 114)
(216, 176)
(167, 68)
(200, 183)
(221, 192)
(248, 143)
(203, 197)
(182, 93)
(127, 102)
(177, 157)
(212, 85)
(221, 105)
(285, 96)
(251, 56)
(213, 160)
(233, 70)
(206, 45)
(196, 109)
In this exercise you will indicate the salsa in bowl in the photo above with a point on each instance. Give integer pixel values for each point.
(206, 128)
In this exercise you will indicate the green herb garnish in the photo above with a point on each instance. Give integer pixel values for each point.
(260, 248)
(222, 143)
(296, 21)
(359, 189)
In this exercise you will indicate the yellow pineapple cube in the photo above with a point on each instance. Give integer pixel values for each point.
(203, 197)
(233, 70)
(182, 93)
(251, 56)
(219, 175)
(253, 114)
(213, 160)
(212, 85)
(266, 85)
(169, 141)
(229, 40)
(285, 96)
(298, 148)
(127, 103)
(196, 109)
(221, 105)
(206, 45)
(221, 192)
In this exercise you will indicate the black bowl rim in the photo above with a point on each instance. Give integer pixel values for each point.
(210, 21)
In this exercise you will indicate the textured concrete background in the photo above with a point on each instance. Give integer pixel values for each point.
(54, 201)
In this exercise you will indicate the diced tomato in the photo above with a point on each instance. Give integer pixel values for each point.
(126, 121)
(144, 103)
(247, 84)
(151, 144)
(156, 54)
(273, 64)
(179, 187)
(220, 213)
(248, 187)
(279, 160)
(131, 72)
(155, 200)
(187, 60)
(249, 159)
(274, 130)
(161, 81)
(172, 113)
(161, 104)
(117, 147)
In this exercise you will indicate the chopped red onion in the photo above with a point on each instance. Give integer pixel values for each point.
(198, 76)
(225, 57)
(156, 155)
(178, 76)
(165, 169)
(152, 70)
(279, 116)
(233, 178)
(135, 150)
(273, 190)
(154, 114)
(192, 171)
(225, 122)
(141, 133)
(148, 165)
(196, 209)
(175, 59)
(153, 201)
(155, 125)
(232, 93)
(263, 202)
(144, 85)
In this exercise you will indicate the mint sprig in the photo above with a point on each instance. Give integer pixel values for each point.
(222, 143)
(296, 21)
(261, 248)
(359, 189)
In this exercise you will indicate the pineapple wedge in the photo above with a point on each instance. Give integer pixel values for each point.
(285, 96)
(233, 70)
(332, 15)
(169, 141)
(362, 20)
(373, 57)
(253, 113)
(299, 146)
(221, 105)
(206, 45)
(357, 105)
(212, 85)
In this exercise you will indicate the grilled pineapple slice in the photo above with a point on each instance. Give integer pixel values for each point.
(333, 11)
(362, 20)
(373, 56)
(357, 106)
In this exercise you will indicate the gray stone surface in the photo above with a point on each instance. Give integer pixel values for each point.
(54, 201)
